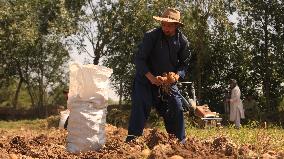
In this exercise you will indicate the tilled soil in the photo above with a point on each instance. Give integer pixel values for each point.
(153, 144)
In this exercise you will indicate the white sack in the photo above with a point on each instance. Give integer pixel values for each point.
(88, 82)
(87, 102)
(86, 128)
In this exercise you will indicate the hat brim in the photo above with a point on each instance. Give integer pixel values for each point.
(167, 20)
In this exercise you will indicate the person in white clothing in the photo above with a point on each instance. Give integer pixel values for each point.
(236, 105)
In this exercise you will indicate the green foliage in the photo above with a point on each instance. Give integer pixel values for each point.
(53, 121)
(94, 30)
(221, 49)
(31, 50)
(249, 50)
(111, 101)
(132, 20)
(6, 94)
(118, 115)
(281, 106)
(57, 97)
(262, 34)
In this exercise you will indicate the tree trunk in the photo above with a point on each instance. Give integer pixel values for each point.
(96, 60)
(266, 61)
(32, 99)
(98, 50)
(16, 96)
(120, 93)
(199, 78)
(41, 110)
(18, 89)
(201, 52)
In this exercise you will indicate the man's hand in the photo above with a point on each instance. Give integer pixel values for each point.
(162, 79)
(167, 78)
(154, 80)
(176, 77)
(172, 77)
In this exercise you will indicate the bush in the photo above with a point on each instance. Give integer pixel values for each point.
(53, 121)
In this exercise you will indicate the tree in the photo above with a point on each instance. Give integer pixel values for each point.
(94, 30)
(135, 19)
(33, 53)
(132, 20)
(261, 27)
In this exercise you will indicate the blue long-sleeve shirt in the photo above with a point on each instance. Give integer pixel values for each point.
(159, 54)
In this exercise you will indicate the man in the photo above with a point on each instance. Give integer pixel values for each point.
(236, 105)
(164, 50)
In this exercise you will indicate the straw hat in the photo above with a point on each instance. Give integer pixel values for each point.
(170, 15)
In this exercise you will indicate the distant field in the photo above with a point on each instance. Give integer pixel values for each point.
(35, 124)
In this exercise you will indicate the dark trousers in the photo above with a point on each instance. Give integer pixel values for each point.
(170, 108)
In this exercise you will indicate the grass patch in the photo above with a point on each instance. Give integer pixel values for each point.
(261, 139)
(31, 124)
(34, 124)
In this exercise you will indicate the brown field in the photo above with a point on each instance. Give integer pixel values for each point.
(50, 143)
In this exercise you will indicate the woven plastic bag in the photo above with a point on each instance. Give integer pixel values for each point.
(87, 102)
